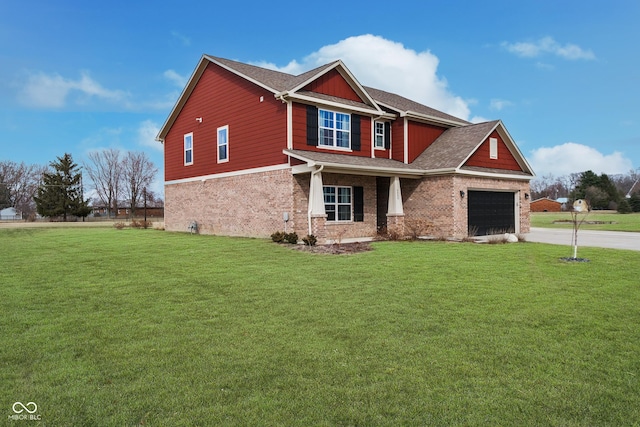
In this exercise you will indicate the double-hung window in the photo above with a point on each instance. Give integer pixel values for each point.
(188, 149)
(223, 144)
(379, 135)
(334, 129)
(338, 203)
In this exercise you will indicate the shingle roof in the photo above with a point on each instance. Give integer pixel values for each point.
(276, 80)
(353, 161)
(454, 146)
(279, 82)
(403, 104)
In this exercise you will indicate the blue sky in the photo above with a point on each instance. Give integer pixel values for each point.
(563, 76)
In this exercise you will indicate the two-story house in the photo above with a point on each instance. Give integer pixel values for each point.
(249, 151)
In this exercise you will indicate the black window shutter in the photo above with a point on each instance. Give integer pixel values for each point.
(387, 135)
(355, 132)
(358, 204)
(312, 125)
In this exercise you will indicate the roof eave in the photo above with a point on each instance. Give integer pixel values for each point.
(182, 99)
(505, 175)
(432, 119)
(286, 95)
(356, 169)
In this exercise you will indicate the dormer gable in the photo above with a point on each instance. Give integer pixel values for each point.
(333, 83)
(494, 153)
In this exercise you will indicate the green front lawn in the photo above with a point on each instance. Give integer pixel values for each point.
(142, 327)
(607, 220)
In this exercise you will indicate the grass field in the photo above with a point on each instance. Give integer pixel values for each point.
(610, 221)
(143, 327)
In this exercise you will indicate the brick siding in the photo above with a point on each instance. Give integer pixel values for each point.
(249, 205)
(253, 204)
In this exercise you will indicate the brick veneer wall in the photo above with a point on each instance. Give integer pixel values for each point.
(243, 205)
(253, 204)
(329, 230)
(437, 200)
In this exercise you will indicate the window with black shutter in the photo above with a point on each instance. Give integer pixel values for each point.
(355, 132)
(387, 135)
(358, 204)
(312, 125)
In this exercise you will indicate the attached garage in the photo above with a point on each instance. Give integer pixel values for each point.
(491, 212)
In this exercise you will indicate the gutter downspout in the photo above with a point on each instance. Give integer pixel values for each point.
(311, 197)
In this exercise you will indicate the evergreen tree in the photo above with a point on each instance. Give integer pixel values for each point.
(60, 193)
(634, 201)
(598, 190)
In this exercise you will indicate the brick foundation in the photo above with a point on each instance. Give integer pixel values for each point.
(253, 205)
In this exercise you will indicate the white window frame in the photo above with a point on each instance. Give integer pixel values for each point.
(333, 129)
(379, 146)
(224, 129)
(336, 203)
(493, 148)
(189, 137)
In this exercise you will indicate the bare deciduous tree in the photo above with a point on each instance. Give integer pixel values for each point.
(105, 170)
(137, 174)
(19, 183)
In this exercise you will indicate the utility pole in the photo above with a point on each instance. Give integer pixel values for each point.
(144, 192)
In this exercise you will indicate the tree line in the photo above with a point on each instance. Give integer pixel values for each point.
(58, 190)
(615, 192)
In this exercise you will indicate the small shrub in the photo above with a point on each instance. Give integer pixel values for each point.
(278, 237)
(387, 234)
(310, 240)
(291, 238)
(119, 225)
(418, 227)
(136, 224)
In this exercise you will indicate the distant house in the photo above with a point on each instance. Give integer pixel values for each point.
(10, 214)
(249, 151)
(125, 212)
(546, 204)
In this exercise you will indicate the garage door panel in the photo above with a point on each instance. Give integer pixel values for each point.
(491, 212)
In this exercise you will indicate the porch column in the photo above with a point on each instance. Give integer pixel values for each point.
(317, 216)
(395, 211)
(395, 198)
(316, 194)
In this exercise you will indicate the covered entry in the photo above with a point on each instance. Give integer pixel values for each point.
(491, 212)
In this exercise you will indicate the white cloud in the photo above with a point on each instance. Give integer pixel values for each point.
(478, 119)
(52, 91)
(175, 78)
(147, 132)
(184, 40)
(548, 45)
(387, 65)
(570, 158)
(499, 104)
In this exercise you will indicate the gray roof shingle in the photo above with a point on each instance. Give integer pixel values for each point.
(403, 104)
(454, 146)
(276, 80)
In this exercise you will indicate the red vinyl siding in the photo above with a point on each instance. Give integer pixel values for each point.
(332, 83)
(421, 136)
(257, 130)
(299, 116)
(505, 159)
(397, 140)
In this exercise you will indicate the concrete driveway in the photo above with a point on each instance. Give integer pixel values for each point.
(601, 239)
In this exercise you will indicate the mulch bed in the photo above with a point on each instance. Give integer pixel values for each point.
(341, 249)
